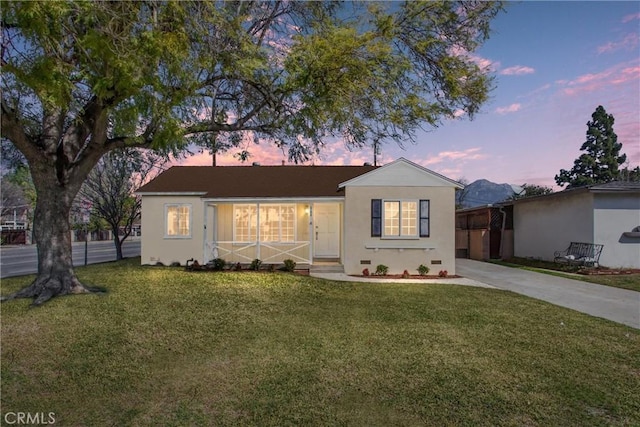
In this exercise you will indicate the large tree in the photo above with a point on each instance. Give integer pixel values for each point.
(601, 159)
(83, 78)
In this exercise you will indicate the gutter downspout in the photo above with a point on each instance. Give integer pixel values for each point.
(504, 225)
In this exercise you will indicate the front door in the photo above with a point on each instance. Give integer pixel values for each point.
(326, 223)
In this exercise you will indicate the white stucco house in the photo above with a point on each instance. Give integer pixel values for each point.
(607, 214)
(400, 215)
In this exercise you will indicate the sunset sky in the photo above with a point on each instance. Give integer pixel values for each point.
(554, 63)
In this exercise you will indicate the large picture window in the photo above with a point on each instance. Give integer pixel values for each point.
(399, 218)
(178, 220)
(269, 222)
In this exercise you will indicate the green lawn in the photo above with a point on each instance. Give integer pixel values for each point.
(166, 347)
(624, 281)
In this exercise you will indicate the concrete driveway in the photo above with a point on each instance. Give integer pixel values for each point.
(619, 305)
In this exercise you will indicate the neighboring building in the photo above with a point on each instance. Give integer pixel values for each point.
(485, 232)
(607, 214)
(14, 227)
(400, 215)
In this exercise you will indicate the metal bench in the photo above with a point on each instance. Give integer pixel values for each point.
(579, 253)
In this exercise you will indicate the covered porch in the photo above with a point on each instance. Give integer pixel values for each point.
(306, 231)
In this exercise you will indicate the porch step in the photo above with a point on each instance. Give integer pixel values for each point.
(326, 268)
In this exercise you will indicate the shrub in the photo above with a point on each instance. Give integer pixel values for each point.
(443, 273)
(365, 272)
(405, 274)
(381, 270)
(271, 268)
(255, 264)
(175, 264)
(218, 264)
(238, 267)
(289, 265)
(423, 270)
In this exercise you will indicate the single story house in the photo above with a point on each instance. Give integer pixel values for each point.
(607, 214)
(400, 215)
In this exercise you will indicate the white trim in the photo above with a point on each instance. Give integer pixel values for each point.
(274, 200)
(358, 180)
(170, 193)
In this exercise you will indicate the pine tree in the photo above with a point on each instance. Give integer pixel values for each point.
(600, 162)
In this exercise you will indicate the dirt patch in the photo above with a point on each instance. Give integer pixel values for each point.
(411, 276)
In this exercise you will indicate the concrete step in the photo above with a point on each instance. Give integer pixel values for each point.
(326, 268)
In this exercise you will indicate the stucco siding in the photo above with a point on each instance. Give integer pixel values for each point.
(615, 214)
(156, 246)
(363, 251)
(544, 226)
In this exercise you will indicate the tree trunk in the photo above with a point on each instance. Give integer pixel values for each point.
(52, 232)
(117, 242)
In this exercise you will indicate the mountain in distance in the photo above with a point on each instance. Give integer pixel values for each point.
(483, 192)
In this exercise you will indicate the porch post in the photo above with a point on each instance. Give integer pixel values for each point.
(311, 233)
(258, 230)
(204, 234)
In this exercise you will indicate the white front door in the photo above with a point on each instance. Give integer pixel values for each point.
(326, 229)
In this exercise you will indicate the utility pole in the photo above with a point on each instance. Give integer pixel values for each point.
(376, 152)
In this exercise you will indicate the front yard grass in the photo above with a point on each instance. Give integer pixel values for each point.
(167, 347)
(624, 281)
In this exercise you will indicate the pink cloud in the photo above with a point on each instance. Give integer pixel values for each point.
(631, 17)
(458, 156)
(629, 42)
(485, 64)
(619, 74)
(509, 109)
(517, 70)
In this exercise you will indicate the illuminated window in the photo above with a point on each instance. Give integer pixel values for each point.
(245, 223)
(399, 218)
(178, 220)
(272, 223)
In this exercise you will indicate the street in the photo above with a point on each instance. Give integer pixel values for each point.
(19, 260)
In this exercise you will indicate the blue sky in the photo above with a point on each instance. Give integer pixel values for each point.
(554, 63)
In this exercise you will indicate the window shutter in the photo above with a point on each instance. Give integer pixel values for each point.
(376, 217)
(424, 218)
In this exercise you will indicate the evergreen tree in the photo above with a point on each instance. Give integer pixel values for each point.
(600, 162)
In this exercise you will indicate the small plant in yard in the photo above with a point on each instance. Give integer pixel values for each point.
(255, 264)
(289, 265)
(405, 274)
(238, 267)
(217, 264)
(443, 273)
(365, 272)
(381, 270)
(423, 270)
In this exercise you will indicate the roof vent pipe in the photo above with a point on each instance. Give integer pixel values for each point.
(255, 164)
